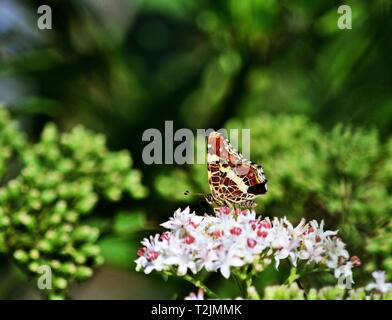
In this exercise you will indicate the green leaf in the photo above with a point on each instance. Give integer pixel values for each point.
(118, 251)
(126, 223)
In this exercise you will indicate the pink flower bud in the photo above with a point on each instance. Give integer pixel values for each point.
(251, 243)
(165, 236)
(225, 210)
(217, 234)
(265, 224)
(235, 231)
(191, 223)
(152, 255)
(189, 239)
(141, 251)
(262, 234)
(356, 261)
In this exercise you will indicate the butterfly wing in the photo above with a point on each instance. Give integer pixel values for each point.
(232, 178)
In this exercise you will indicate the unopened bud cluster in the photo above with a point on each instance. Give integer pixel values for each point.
(47, 189)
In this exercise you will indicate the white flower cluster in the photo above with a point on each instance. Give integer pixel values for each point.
(234, 238)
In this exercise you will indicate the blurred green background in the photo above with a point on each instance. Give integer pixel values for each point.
(318, 101)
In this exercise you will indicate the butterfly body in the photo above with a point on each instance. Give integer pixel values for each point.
(234, 181)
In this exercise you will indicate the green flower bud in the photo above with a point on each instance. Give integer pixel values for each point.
(49, 134)
(29, 172)
(51, 153)
(68, 250)
(55, 264)
(21, 256)
(56, 296)
(87, 203)
(68, 268)
(62, 239)
(4, 220)
(133, 185)
(114, 194)
(34, 254)
(71, 216)
(387, 264)
(51, 235)
(66, 165)
(52, 179)
(79, 258)
(55, 219)
(25, 219)
(66, 228)
(60, 283)
(85, 187)
(60, 207)
(33, 194)
(35, 204)
(86, 234)
(33, 266)
(369, 267)
(87, 166)
(99, 261)
(45, 246)
(48, 196)
(3, 195)
(65, 191)
(91, 250)
(83, 273)
(14, 188)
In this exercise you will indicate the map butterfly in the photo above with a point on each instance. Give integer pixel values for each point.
(234, 181)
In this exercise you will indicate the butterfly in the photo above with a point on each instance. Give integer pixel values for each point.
(234, 181)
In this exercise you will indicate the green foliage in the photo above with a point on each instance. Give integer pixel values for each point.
(338, 176)
(126, 223)
(200, 62)
(380, 247)
(47, 190)
(293, 292)
(120, 246)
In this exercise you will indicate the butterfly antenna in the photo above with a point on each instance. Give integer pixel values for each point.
(187, 193)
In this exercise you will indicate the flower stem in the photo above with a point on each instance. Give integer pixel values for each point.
(239, 284)
(294, 277)
(201, 285)
(249, 281)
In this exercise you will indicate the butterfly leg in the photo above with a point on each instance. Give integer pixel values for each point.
(216, 210)
(229, 204)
